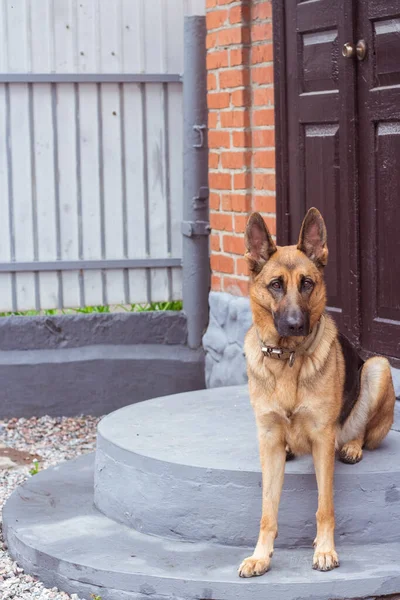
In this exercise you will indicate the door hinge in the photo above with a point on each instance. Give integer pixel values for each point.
(191, 228)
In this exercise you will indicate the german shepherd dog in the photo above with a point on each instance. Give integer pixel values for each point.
(310, 391)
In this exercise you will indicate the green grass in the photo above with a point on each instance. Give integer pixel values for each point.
(35, 469)
(173, 305)
(87, 310)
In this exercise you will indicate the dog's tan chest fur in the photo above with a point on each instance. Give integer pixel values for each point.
(294, 401)
(295, 420)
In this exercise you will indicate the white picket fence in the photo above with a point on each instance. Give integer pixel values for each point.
(90, 166)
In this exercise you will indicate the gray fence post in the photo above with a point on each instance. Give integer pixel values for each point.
(195, 226)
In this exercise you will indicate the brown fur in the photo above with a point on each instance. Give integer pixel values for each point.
(298, 407)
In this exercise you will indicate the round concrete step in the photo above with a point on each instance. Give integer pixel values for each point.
(54, 531)
(187, 467)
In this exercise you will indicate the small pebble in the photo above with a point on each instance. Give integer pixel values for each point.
(54, 440)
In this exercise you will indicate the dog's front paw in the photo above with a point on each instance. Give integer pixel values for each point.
(254, 567)
(325, 561)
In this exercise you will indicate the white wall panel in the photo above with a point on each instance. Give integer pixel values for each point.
(91, 171)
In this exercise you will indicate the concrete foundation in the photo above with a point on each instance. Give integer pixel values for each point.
(93, 364)
(154, 475)
(176, 482)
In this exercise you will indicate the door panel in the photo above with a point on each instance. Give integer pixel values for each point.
(320, 61)
(322, 166)
(388, 186)
(387, 50)
(321, 141)
(338, 145)
(379, 165)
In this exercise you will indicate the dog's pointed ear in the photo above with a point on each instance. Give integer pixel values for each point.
(313, 238)
(259, 243)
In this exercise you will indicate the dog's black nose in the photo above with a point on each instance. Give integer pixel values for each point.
(296, 324)
(292, 323)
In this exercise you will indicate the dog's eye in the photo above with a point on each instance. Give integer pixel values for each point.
(308, 284)
(276, 285)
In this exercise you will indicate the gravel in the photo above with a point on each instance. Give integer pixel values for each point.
(49, 441)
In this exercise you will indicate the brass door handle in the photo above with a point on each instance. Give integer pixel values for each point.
(358, 50)
(349, 50)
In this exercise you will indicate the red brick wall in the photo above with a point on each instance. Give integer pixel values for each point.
(241, 131)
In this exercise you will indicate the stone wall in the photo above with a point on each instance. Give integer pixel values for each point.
(230, 319)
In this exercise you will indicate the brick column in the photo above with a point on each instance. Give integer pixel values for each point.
(241, 131)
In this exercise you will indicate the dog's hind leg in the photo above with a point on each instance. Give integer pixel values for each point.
(372, 417)
(382, 408)
(351, 452)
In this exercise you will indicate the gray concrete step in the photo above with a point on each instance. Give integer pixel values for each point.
(187, 467)
(54, 531)
(94, 379)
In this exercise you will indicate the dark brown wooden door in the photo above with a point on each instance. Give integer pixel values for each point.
(379, 164)
(338, 148)
(320, 140)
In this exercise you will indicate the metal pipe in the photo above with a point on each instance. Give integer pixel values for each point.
(195, 227)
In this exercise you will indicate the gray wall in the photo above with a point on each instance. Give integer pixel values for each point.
(93, 364)
(230, 319)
